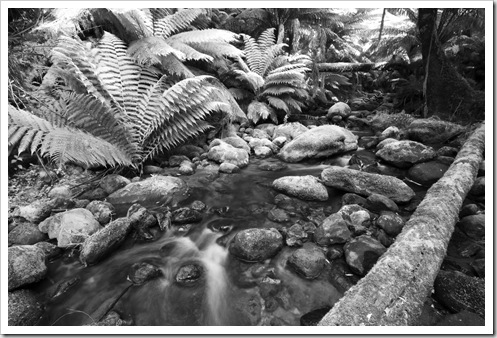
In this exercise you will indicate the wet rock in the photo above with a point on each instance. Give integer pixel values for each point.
(111, 183)
(94, 194)
(447, 160)
(459, 292)
(322, 141)
(26, 265)
(50, 250)
(290, 204)
(390, 132)
(314, 317)
(308, 261)
(189, 274)
(479, 266)
(296, 235)
(103, 242)
(272, 166)
(377, 203)
(427, 173)
(221, 151)
(187, 168)
(350, 198)
(176, 160)
(366, 183)
(386, 141)
(368, 142)
(63, 191)
(70, 227)
(186, 215)
(304, 187)
(278, 215)
(447, 151)
(262, 152)
(334, 252)
(382, 237)
(363, 159)
(258, 133)
(142, 272)
(249, 307)
(478, 188)
(289, 130)
(362, 252)
(380, 121)
(256, 244)
(164, 190)
(140, 217)
(391, 222)
(433, 131)
(473, 226)
(268, 128)
(37, 211)
(338, 109)
(404, 154)
(279, 141)
(228, 168)
(26, 234)
(333, 230)
(262, 142)
(198, 205)
(341, 276)
(463, 318)
(151, 169)
(236, 142)
(111, 319)
(102, 211)
(24, 308)
(357, 220)
(468, 249)
(188, 150)
(81, 203)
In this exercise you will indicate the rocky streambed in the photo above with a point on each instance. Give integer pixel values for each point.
(268, 226)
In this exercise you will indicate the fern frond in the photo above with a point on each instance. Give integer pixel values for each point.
(253, 54)
(269, 54)
(147, 51)
(174, 66)
(180, 20)
(286, 76)
(189, 53)
(218, 49)
(266, 39)
(259, 110)
(301, 67)
(222, 94)
(278, 90)
(278, 103)
(240, 94)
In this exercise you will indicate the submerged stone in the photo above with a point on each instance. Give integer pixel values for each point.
(256, 244)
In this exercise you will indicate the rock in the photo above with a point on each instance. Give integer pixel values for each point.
(334, 252)
(224, 152)
(189, 274)
(366, 183)
(258, 142)
(459, 292)
(61, 287)
(427, 173)
(176, 160)
(468, 210)
(262, 152)
(151, 169)
(24, 308)
(63, 191)
(296, 235)
(111, 183)
(279, 141)
(390, 132)
(278, 215)
(256, 244)
(102, 211)
(198, 205)
(258, 133)
(272, 166)
(189, 150)
(363, 159)
(163, 190)
(478, 188)
(142, 272)
(322, 141)
(445, 160)
(368, 142)
(26, 234)
(308, 261)
(94, 194)
(350, 198)
(314, 317)
(447, 151)
(186, 215)
(382, 236)
(404, 154)
(81, 203)
(385, 142)
(333, 230)
(481, 169)
(338, 109)
(103, 242)
(361, 254)
(304, 187)
(50, 250)
(479, 266)
(463, 318)
(380, 121)
(267, 127)
(141, 219)
(236, 142)
(433, 131)
(391, 222)
(187, 168)
(228, 168)
(341, 276)
(289, 130)
(377, 203)
(111, 319)
(473, 226)
(26, 265)
(70, 227)
(38, 210)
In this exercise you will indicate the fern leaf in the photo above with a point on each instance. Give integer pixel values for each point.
(148, 51)
(180, 20)
(259, 110)
(278, 90)
(189, 53)
(253, 54)
(269, 54)
(266, 39)
(218, 49)
(204, 36)
(278, 103)
(175, 66)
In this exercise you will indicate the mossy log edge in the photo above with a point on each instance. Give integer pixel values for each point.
(394, 290)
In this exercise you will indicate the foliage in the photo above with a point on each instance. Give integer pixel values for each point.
(119, 112)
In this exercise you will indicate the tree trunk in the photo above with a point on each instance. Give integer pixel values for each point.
(381, 25)
(339, 67)
(447, 94)
(394, 290)
(281, 33)
(296, 36)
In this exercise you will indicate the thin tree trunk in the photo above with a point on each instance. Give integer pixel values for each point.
(394, 290)
(338, 67)
(296, 36)
(382, 23)
(281, 33)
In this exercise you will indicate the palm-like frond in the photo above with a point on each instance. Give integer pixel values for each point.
(260, 110)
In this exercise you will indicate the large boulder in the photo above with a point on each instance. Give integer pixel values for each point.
(289, 130)
(38, 210)
(256, 244)
(235, 141)
(362, 252)
(322, 141)
(338, 109)
(404, 154)
(70, 227)
(102, 211)
(153, 190)
(26, 234)
(104, 241)
(427, 173)
(222, 152)
(433, 131)
(333, 230)
(26, 265)
(308, 261)
(303, 187)
(24, 308)
(363, 183)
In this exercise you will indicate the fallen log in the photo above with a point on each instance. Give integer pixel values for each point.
(339, 67)
(394, 290)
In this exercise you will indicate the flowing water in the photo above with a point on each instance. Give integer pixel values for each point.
(230, 292)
